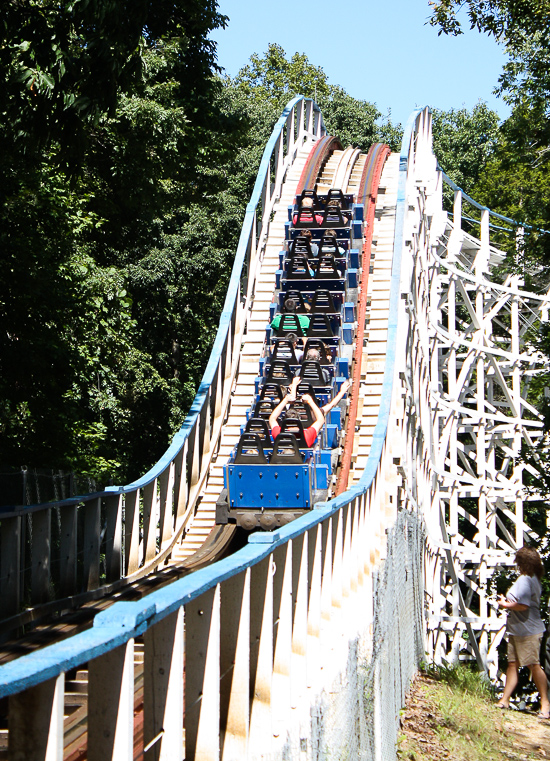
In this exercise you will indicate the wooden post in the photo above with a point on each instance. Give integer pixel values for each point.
(313, 647)
(166, 504)
(40, 556)
(113, 537)
(298, 664)
(131, 532)
(111, 705)
(10, 566)
(163, 689)
(181, 484)
(150, 520)
(92, 528)
(202, 677)
(235, 667)
(68, 550)
(261, 656)
(282, 607)
(35, 722)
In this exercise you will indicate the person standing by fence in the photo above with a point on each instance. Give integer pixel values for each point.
(525, 628)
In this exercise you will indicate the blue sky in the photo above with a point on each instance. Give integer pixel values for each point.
(383, 52)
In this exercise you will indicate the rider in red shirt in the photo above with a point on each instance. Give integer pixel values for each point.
(311, 433)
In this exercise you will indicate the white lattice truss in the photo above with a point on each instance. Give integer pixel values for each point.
(470, 364)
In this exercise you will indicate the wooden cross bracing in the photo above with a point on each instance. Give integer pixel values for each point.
(472, 360)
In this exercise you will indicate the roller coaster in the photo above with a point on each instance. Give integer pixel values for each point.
(207, 610)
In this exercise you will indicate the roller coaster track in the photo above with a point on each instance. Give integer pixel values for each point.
(440, 406)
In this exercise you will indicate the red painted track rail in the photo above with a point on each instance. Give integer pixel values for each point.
(368, 192)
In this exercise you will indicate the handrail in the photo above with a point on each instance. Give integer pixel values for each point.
(492, 213)
(162, 501)
(126, 620)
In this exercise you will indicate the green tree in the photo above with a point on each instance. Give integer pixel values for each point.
(464, 141)
(516, 183)
(64, 63)
(269, 82)
(501, 18)
(274, 78)
(111, 281)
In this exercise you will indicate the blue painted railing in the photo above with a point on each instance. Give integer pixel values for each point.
(513, 222)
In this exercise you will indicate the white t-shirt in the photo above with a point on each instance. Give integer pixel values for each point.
(525, 623)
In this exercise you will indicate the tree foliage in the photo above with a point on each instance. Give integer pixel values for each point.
(271, 80)
(106, 305)
(501, 18)
(463, 141)
(64, 64)
(515, 179)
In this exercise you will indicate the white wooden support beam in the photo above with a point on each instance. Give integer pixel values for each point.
(298, 663)
(365, 535)
(337, 626)
(338, 570)
(235, 666)
(348, 612)
(309, 117)
(181, 485)
(113, 537)
(313, 646)
(202, 677)
(326, 598)
(92, 533)
(219, 394)
(205, 429)
(166, 504)
(266, 194)
(163, 689)
(290, 137)
(261, 656)
(35, 722)
(193, 455)
(282, 646)
(357, 602)
(111, 705)
(131, 532)
(278, 157)
(150, 516)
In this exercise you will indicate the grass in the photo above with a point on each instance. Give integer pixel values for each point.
(451, 714)
(461, 678)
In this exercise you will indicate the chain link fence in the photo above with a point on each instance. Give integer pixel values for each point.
(358, 719)
(398, 632)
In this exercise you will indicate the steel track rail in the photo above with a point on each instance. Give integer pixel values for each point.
(368, 193)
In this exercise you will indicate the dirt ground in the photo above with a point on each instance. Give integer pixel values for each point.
(435, 725)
